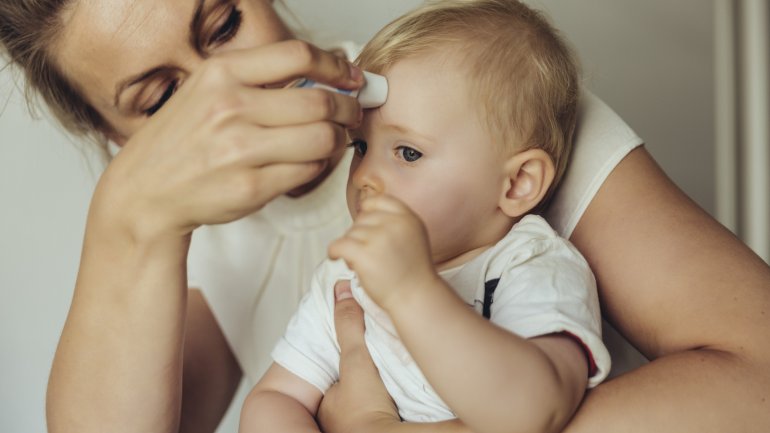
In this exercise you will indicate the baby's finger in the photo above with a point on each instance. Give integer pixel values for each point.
(384, 203)
(370, 219)
(345, 248)
(359, 233)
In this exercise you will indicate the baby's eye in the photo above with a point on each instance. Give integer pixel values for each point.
(359, 146)
(408, 154)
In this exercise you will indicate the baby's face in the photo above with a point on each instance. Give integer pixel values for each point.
(428, 147)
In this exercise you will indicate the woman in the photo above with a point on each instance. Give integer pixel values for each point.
(186, 89)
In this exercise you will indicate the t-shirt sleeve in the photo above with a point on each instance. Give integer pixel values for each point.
(553, 292)
(309, 347)
(602, 140)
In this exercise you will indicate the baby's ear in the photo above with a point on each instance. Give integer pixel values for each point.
(529, 174)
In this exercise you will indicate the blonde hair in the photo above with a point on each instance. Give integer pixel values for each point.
(519, 68)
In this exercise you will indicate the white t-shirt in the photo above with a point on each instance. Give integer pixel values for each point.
(544, 287)
(253, 272)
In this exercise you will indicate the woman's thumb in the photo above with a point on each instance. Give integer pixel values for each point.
(348, 318)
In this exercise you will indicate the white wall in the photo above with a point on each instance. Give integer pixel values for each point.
(44, 192)
(652, 61)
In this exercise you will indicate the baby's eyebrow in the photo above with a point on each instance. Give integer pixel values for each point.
(410, 132)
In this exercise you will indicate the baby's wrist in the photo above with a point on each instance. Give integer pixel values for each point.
(417, 292)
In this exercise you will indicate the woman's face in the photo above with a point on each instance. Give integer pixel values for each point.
(129, 56)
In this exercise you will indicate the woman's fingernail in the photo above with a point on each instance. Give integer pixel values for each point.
(355, 73)
(342, 290)
(345, 294)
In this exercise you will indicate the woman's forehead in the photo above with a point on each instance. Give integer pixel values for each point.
(104, 40)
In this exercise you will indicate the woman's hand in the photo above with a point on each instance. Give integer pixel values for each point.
(359, 401)
(226, 143)
(221, 148)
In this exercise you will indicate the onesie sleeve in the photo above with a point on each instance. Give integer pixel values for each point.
(552, 292)
(309, 348)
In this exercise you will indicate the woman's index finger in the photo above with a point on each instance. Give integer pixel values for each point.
(284, 61)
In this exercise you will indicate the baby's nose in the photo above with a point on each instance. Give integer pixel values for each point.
(366, 178)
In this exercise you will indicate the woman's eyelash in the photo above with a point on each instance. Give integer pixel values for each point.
(170, 89)
(223, 34)
(228, 29)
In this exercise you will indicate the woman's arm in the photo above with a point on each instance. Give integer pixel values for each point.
(211, 373)
(211, 155)
(690, 296)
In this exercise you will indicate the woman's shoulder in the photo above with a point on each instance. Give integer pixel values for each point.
(602, 139)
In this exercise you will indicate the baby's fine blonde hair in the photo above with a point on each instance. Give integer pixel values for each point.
(520, 70)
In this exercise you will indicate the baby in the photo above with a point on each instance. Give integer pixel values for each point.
(474, 307)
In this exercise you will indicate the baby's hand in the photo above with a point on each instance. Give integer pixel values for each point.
(388, 248)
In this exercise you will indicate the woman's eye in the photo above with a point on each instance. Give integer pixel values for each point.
(170, 89)
(359, 146)
(228, 29)
(408, 154)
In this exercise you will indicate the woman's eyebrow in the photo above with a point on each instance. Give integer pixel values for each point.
(130, 81)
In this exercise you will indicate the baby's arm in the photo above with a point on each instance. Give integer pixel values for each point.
(280, 402)
(494, 380)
